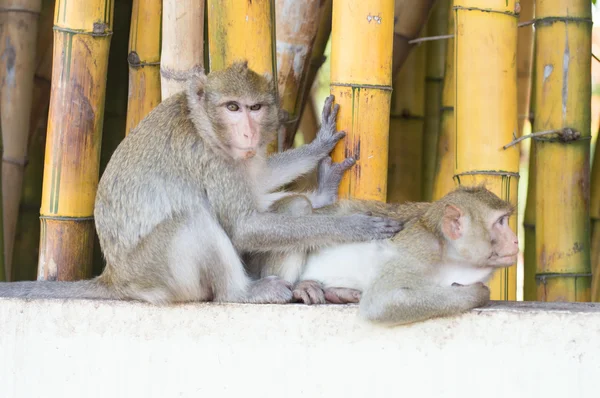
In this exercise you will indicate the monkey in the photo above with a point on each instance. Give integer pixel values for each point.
(437, 265)
(185, 194)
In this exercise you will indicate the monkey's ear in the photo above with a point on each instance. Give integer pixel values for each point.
(196, 85)
(451, 225)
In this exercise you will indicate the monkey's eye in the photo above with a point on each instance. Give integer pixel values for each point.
(502, 220)
(255, 107)
(233, 107)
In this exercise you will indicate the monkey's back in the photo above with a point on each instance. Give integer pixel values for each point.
(145, 177)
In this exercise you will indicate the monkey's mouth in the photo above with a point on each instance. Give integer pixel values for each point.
(502, 261)
(243, 152)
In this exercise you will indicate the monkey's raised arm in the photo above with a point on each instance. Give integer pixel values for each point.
(398, 211)
(285, 167)
(267, 231)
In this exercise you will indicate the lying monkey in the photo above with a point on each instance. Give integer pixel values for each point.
(436, 266)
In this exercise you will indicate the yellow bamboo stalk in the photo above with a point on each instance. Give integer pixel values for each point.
(529, 251)
(563, 94)
(486, 107)
(524, 62)
(27, 238)
(243, 31)
(446, 147)
(144, 60)
(405, 163)
(19, 33)
(409, 18)
(182, 51)
(434, 79)
(82, 33)
(361, 78)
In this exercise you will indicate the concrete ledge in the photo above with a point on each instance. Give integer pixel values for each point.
(86, 348)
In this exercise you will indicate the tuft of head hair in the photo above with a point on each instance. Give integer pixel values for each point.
(474, 201)
(239, 81)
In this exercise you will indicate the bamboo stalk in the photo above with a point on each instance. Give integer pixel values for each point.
(82, 33)
(243, 31)
(26, 249)
(446, 147)
(2, 267)
(361, 78)
(410, 17)
(19, 33)
(563, 94)
(524, 62)
(434, 79)
(297, 23)
(405, 163)
(485, 123)
(27, 237)
(317, 57)
(595, 225)
(529, 251)
(182, 52)
(144, 60)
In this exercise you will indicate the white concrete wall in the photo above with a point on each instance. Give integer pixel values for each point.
(58, 348)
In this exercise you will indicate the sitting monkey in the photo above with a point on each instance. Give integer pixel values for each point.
(186, 191)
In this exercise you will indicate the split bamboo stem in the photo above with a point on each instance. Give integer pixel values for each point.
(243, 31)
(443, 181)
(82, 34)
(361, 78)
(27, 238)
(19, 33)
(524, 62)
(563, 95)
(317, 57)
(529, 251)
(405, 172)
(486, 107)
(2, 267)
(182, 52)
(410, 17)
(144, 60)
(297, 23)
(434, 79)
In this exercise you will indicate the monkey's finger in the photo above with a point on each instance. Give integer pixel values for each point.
(300, 295)
(333, 116)
(327, 108)
(316, 295)
(342, 295)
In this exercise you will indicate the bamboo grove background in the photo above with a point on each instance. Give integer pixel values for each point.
(433, 93)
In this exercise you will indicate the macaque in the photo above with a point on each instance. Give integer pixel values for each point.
(436, 266)
(185, 194)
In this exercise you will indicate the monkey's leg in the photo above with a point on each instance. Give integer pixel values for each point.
(191, 258)
(420, 302)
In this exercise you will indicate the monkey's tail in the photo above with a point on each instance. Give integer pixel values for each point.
(88, 289)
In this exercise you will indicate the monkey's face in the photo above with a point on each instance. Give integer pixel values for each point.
(483, 239)
(244, 123)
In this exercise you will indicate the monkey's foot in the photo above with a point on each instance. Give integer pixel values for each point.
(309, 292)
(269, 290)
(342, 295)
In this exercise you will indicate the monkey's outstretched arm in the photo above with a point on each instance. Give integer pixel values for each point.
(398, 211)
(269, 231)
(418, 300)
(285, 167)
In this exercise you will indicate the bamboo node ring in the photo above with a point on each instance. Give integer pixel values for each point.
(17, 162)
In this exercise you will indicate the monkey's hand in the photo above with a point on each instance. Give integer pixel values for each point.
(270, 290)
(309, 292)
(365, 227)
(475, 295)
(328, 136)
(328, 180)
